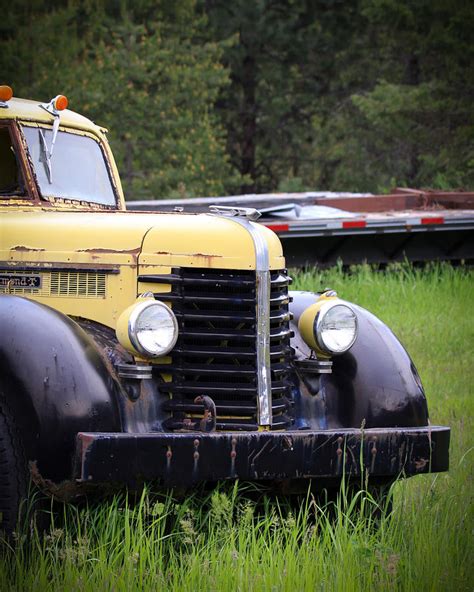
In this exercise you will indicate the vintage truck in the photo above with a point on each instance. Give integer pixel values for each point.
(167, 347)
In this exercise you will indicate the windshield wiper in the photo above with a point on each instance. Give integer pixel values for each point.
(55, 106)
(46, 153)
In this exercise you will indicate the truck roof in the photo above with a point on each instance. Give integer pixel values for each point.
(26, 110)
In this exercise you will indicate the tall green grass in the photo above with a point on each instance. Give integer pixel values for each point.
(224, 540)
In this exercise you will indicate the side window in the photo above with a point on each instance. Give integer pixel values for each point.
(11, 183)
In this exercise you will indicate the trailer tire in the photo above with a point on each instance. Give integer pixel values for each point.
(13, 472)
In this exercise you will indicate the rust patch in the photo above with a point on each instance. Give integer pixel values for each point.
(86, 442)
(55, 266)
(65, 491)
(421, 464)
(208, 422)
(209, 259)
(206, 256)
(74, 204)
(132, 252)
(339, 453)
(96, 253)
(196, 456)
(373, 452)
(169, 456)
(233, 453)
(23, 249)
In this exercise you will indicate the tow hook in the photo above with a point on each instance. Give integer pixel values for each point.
(208, 422)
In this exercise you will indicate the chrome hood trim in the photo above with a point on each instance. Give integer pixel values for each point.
(263, 287)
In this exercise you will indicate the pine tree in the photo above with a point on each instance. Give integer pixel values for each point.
(144, 70)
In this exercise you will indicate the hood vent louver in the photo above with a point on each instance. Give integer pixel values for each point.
(72, 284)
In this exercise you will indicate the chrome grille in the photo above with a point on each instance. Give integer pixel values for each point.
(216, 350)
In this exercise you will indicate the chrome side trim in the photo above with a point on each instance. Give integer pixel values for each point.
(263, 287)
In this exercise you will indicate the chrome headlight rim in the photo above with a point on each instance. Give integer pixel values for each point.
(325, 308)
(132, 328)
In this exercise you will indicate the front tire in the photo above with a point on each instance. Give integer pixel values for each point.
(13, 472)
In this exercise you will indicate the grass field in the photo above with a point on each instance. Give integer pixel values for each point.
(219, 541)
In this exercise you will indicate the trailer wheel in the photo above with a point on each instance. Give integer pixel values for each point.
(13, 472)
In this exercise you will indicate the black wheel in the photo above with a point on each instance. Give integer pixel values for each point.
(13, 472)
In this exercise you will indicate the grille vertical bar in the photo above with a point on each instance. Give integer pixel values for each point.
(264, 381)
(262, 266)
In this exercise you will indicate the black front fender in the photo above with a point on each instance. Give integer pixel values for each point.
(375, 384)
(55, 381)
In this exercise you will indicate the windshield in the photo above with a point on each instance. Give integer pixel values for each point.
(78, 169)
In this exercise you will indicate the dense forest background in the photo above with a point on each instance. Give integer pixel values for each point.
(215, 97)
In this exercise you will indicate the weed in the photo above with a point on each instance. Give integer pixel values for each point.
(225, 540)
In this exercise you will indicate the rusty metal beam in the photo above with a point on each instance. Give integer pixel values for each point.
(176, 459)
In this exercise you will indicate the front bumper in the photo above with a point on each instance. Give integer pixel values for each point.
(183, 459)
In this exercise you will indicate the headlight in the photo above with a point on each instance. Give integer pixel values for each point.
(148, 327)
(329, 326)
(335, 328)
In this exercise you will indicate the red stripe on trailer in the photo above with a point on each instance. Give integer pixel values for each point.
(278, 227)
(433, 220)
(354, 224)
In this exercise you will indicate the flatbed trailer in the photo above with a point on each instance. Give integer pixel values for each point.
(408, 224)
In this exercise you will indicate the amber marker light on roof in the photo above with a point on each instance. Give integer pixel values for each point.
(6, 93)
(60, 103)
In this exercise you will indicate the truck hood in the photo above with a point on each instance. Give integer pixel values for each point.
(131, 238)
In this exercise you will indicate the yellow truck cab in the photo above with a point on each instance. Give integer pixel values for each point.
(167, 347)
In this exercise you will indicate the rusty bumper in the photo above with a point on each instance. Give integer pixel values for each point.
(181, 459)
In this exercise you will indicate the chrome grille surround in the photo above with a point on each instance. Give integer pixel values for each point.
(262, 267)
